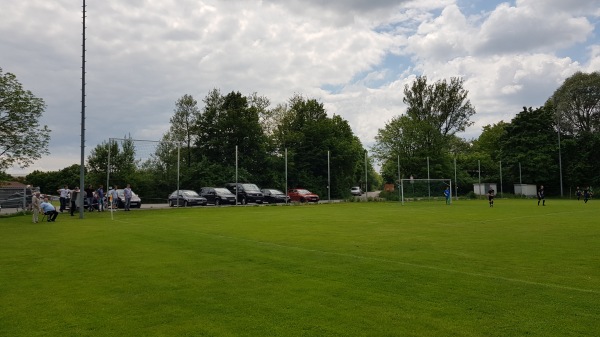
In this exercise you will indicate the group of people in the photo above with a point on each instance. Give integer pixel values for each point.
(95, 198)
(587, 194)
(38, 205)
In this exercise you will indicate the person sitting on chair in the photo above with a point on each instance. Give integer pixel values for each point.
(49, 210)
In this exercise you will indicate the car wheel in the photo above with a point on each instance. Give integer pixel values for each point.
(217, 202)
(171, 203)
(302, 200)
(244, 202)
(185, 203)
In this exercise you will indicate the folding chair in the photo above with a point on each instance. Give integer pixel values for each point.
(43, 216)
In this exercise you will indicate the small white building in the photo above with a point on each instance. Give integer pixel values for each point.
(527, 190)
(483, 188)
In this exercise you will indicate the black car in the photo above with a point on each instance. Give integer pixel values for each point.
(217, 195)
(273, 196)
(186, 198)
(246, 192)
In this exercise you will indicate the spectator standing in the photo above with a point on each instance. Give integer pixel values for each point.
(100, 193)
(74, 200)
(63, 196)
(89, 194)
(114, 196)
(127, 195)
(35, 206)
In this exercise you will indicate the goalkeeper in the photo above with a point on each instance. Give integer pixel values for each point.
(447, 195)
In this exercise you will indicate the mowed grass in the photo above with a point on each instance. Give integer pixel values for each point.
(351, 269)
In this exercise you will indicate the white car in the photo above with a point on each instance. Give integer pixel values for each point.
(356, 191)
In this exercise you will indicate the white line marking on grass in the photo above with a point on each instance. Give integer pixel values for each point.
(360, 257)
(549, 285)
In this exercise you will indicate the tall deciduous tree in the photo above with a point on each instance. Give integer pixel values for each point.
(183, 124)
(577, 103)
(230, 121)
(530, 139)
(434, 114)
(22, 138)
(308, 134)
(443, 105)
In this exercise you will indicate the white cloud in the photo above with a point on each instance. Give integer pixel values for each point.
(143, 55)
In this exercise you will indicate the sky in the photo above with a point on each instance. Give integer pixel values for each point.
(354, 56)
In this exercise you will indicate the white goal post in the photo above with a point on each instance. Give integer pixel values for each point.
(425, 189)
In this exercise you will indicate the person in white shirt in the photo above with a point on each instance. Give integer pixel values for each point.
(63, 196)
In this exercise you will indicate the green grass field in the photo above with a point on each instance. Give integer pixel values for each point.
(350, 269)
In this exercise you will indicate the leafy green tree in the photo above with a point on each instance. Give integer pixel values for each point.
(230, 121)
(49, 182)
(308, 134)
(435, 113)
(22, 138)
(443, 105)
(577, 103)
(123, 165)
(530, 139)
(183, 124)
(576, 106)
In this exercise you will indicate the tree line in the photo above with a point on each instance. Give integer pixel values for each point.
(557, 141)
(205, 140)
(544, 145)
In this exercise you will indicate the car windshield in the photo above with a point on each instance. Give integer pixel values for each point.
(275, 192)
(222, 191)
(303, 192)
(190, 193)
(251, 187)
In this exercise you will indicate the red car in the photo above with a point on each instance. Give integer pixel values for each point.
(302, 195)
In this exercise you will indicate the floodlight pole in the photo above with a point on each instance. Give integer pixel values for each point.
(286, 177)
(236, 175)
(479, 171)
(455, 180)
(559, 151)
(399, 179)
(501, 179)
(520, 176)
(82, 163)
(366, 177)
(428, 183)
(328, 179)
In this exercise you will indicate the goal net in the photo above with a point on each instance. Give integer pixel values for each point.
(425, 189)
(150, 167)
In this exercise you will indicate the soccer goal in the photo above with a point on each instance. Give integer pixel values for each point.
(425, 189)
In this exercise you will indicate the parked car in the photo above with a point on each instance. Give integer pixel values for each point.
(136, 201)
(186, 198)
(302, 195)
(356, 191)
(217, 195)
(246, 192)
(273, 196)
